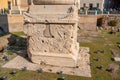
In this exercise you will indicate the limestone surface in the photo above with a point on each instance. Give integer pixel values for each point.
(52, 32)
(51, 28)
(117, 59)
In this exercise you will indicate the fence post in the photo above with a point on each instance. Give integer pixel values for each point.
(108, 12)
(9, 11)
(95, 12)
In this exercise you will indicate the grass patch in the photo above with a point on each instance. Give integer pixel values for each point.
(18, 34)
(106, 42)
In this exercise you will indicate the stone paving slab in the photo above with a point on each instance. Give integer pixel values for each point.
(82, 70)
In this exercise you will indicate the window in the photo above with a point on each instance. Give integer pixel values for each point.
(98, 5)
(84, 5)
(15, 3)
(90, 6)
(9, 5)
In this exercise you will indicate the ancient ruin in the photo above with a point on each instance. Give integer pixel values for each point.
(51, 28)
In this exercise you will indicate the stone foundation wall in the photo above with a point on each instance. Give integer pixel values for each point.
(87, 22)
(11, 23)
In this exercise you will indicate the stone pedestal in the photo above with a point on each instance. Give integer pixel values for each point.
(52, 34)
(51, 28)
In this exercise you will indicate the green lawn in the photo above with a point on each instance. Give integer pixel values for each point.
(104, 41)
(18, 34)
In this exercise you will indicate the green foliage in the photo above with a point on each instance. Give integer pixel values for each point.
(106, 42)
(113, 22)
(9, 52)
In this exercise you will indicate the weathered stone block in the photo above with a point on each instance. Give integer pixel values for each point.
(52, 40)
(52, 32)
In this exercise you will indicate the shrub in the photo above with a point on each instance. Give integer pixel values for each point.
(113, 22)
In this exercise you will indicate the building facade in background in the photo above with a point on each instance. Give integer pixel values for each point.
(92, 4)
(6, 4)
(101, 6)
(115, 4)
(19, 6)
(13, 6)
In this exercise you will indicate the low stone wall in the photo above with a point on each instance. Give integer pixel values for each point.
(14, 23)
(11, 23)
(87, 22)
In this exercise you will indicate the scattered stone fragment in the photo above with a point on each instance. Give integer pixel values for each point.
(24, 68)
(6, 58)
(117, 59)
(118, 42)
(63, 78)
(102, 51)
(100, 67)
(40, 70)
(60, 72)
(110, 69)
(113, 68)
(114, 52)
(119, 45)
(50, 70)
(13, 73)
(99, 51)
(90, 64)
(97, 59)
(3, 78)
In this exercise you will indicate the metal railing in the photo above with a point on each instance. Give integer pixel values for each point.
(7, 11)
(4, 11)
(97, 12)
